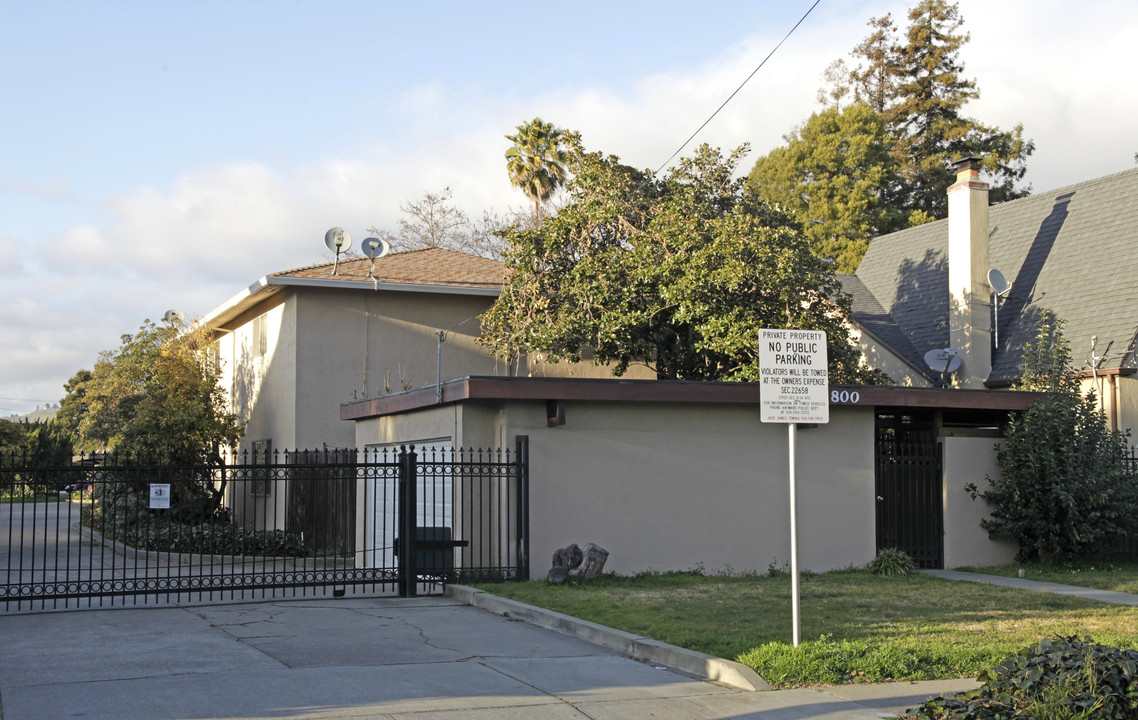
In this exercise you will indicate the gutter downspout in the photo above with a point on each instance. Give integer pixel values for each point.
(442, 335)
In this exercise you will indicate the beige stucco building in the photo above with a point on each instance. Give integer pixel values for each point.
(670, 475)
(295, 344)
(674, 475)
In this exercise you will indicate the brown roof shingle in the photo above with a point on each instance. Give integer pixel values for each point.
(428, 266)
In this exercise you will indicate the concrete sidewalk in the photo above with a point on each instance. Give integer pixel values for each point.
(416, 659)
(1106, 596)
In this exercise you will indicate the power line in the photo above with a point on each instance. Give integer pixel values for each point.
(732, 95)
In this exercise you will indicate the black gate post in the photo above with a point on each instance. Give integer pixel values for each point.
(521, 457)
(408, 501)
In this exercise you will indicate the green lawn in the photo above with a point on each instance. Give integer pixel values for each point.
(28, 497)
(855, 626)
(1116, 575)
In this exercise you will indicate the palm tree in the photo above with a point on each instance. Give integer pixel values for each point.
(536, 162)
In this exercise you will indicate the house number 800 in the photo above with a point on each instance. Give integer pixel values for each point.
(845, 396)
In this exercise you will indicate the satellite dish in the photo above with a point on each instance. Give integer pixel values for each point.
(997, 281)
(375, 248)
(338, 240)
(174, 317)
(1000, 287)
(945, 361)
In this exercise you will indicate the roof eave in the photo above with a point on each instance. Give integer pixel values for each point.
(253, 294)
(919, 371)
(497, 389)
(486, 290)
(235, 305)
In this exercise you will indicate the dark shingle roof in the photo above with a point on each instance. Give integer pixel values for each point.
(1073, 251)
(869, 313)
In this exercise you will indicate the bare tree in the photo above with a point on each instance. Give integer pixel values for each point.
(431, 221)
(434, 220)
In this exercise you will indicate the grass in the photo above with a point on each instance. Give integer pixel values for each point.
(29, 497)
(1112, 574)
(856, 627)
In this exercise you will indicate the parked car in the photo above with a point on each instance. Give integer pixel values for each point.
(84, 486)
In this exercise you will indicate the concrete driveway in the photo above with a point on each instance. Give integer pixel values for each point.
(422, 658)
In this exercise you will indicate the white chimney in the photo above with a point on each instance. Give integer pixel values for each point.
(969, 295)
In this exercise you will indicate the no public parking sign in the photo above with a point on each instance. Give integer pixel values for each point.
(794, 386)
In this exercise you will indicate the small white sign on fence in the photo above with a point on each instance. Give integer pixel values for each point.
(159, 496)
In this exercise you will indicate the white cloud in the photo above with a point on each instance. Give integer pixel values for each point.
(56, 189)
(11, 257)
(216, 229)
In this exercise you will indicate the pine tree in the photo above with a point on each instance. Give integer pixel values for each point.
(917, 83)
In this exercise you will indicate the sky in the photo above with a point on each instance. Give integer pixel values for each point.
(163, 156)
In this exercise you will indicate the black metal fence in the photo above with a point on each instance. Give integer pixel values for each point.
(106, 530)
(1127, 545)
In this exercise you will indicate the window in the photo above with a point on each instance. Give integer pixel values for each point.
(262, 478)
(260, 335)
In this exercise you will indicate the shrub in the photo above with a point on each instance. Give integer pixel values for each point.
(1060, 678)
(891, 561)
(120, 512)
(1063, 489)
(218, 538)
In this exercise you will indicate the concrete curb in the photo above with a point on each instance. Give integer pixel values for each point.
(638, 647)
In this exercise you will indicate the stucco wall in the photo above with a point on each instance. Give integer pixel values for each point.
(361, 344)
(880, 357)
(671, 486)
(261, 386)
(1127, 394)
(440, 422)
(327, 346)
(970, 460)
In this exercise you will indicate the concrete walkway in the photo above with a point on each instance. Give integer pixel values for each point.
(1106, 596)
(413, 659)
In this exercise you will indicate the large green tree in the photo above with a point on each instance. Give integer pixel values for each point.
(12, 441)
(158, 395)
(1064, 489)
(916, 81)
(74, 404)
(834, 177)
(678, 273)
(536, 161)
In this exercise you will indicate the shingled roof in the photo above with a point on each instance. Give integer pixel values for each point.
(437, 267)
(1073, 251)
(432, 270)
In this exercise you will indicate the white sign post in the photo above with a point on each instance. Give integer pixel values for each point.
(794, 388)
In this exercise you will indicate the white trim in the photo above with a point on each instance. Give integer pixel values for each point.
(235, 300)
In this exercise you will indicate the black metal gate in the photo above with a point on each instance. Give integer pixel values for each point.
(909, 488)
(110, 530)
